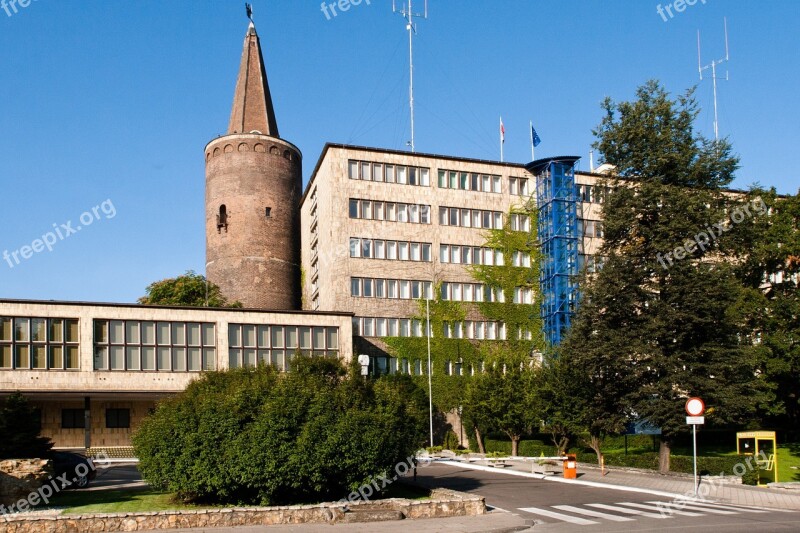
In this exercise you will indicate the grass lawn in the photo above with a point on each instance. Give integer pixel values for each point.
(117, 501)
(788, 456)
(143, 501)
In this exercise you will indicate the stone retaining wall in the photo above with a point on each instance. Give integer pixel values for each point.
(21, 477)
(443, 503)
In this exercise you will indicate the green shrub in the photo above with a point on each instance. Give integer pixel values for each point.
(450, 440)
(257, 436)
(527, 448)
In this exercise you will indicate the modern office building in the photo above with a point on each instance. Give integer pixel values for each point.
(383, 228)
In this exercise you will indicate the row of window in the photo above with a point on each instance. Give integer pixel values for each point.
(134, 345)
(280, 359)
(390, 288)
(391, 211)
(39, 343)
(475, 329)
(76, 418)
(470, 255)
(404, 175)
(394, 365)
(470, 218)
(450, 179)
(470, 292)
(154, 358)
(388, 327)
(392, 250)
(280, 337)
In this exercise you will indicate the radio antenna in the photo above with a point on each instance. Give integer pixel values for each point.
(713, 66)
(408, 15)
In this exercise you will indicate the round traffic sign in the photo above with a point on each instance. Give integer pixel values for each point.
(695, 407)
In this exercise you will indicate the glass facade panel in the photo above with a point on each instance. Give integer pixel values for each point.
(133, 358)
(132, 332)
(193, 335)
(116, 332)
(148, 333)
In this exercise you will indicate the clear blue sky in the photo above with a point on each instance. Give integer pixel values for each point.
(116, 100)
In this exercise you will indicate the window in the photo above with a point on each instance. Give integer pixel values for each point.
(391, 250)
(39, 343)
(470, 218)
(118, 418)
(389, 211)
(274, 345)
(134, 345)
(465, 181)
(520, 222)
(73, 419)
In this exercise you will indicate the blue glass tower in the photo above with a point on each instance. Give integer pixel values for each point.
(557, 202)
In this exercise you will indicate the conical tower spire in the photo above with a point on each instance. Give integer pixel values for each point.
(252, 103)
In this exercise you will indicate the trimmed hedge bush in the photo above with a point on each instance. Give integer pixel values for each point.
(257, 436)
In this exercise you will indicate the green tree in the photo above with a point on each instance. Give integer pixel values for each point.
(258, 436)
(190, 289)
(508, 396)
(770, 244)
(20, 426)
(663, 304)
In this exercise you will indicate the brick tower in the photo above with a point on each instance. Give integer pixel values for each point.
(253, 188)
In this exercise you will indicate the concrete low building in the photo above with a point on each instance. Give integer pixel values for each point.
(95, 370)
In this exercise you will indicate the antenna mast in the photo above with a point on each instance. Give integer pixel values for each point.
(408, 16)
(713, 66)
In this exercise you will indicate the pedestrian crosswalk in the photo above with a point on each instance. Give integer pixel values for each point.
(596, 513)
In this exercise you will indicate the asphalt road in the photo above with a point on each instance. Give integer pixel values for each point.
(566, 507)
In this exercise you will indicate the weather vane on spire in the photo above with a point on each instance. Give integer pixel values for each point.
(249, 9)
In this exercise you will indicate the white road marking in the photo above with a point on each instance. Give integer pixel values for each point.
(659, 509)
(594, 514)
(558, 516)
(679, 504)
(626, 510)
(743, 509)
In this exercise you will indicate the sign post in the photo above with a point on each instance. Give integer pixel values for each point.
(695, 409)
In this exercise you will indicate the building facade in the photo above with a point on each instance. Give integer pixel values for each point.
(384, 228)
(95, 370)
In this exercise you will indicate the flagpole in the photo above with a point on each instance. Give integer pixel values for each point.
(501, 138)
(533, 153)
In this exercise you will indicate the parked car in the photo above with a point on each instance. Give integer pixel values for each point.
(79, 470)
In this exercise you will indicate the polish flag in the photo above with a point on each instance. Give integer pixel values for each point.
(502, 131)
